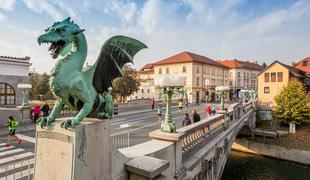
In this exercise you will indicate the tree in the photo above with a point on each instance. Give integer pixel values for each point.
(264, 65)
(126, 85)
(292, 104)
(40, 85)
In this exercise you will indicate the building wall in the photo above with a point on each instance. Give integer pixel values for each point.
(13, 69)
(146, 88)
(247, 78)
(274, 87)
(14, 81)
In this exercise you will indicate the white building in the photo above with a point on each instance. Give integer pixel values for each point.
(13, 71)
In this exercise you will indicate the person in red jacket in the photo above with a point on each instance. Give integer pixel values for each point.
(153, 103)
(208, 111)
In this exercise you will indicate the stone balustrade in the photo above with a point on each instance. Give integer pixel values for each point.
(192, 139)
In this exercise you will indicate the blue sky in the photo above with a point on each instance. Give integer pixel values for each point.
(254, 30)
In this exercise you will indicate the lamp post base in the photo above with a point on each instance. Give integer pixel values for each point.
(167, 126)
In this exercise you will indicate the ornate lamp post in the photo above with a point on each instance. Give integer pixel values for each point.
(168, 86)
(222, 90)
(244, 95)
(25, 92)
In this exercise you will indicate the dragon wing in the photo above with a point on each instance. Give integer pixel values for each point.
(115, 52)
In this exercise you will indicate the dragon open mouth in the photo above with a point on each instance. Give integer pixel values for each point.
(55, 48)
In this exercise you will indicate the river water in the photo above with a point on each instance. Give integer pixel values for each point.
(242, 166)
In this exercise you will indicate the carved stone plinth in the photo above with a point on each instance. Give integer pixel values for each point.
(74, 154)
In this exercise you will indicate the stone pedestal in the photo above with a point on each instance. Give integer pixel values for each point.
(74, 154)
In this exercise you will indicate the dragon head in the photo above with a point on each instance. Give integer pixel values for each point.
(60, 36)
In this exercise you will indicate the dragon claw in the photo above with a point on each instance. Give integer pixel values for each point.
(43, 121)
(69, 123)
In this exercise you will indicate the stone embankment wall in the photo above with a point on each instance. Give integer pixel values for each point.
(278, 152)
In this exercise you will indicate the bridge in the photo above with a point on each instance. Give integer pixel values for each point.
(198, 151)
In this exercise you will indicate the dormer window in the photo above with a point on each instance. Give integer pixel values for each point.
(305, 63)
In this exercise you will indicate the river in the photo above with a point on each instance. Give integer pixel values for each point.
(242, 166)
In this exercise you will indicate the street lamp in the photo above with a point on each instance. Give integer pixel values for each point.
(25, 92)
(222, 90)
(168, 86)
(244, 94)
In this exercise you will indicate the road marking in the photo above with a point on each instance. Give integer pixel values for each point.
(19, 175)
(26, 138)
(16, 157)
(11, 152)
(20, 164)
(5, 148)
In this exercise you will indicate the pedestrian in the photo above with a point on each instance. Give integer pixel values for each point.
(45, 109)
(208, 111)
(12, 125)
(159, 113)
(153, 103)
(180, 105)
(196, 116)
(186, 121)
(213, 111)
(36, 111)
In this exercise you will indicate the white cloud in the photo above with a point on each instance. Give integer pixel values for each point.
(7, 5)
(125, 11)
(43, 6)
(3, 18)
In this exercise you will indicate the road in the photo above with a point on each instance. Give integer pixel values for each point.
(138, 125)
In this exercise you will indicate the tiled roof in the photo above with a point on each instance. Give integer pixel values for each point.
(9, 59)
(147, 68)
(293, 70)
(188, 57)
(300, 65)
(235, 64)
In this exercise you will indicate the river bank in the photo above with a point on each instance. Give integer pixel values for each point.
(273, 151)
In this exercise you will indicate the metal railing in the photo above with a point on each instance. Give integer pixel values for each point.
(18, 170)
(120, 140)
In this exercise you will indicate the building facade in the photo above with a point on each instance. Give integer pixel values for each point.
(201, 74)
(13, 71)
(273, 78)
(303, 65)
(242, 75)
(146, 89)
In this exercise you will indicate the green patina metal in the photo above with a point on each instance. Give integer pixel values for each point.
(168, 125)
(86, 91)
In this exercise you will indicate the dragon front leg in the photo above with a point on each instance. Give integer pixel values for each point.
(86, 109)
(51, 118)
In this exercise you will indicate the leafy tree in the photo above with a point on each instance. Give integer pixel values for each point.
(126, 85)
(40, 85)
(292, 104)
(264, 65)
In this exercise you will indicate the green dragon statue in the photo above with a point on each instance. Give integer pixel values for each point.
(85, 91)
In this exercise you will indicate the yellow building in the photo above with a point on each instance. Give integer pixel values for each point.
(146, 88)
(201, 74)
(273, 78)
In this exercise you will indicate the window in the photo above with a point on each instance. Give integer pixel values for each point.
(273, 77)
(238, 74)
(280, 76)
(184, 69)
(204, 70)
(7, 94)
(213, 71)
(266, 77)
(197, 81)
(197, 69)
(304, 63)
(266, 90)
(159, 71)
(208, 71)
(142, 90)
(167, 70)
(148, 90)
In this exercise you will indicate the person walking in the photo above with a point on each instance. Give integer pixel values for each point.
(153, 103)
(186, 121)
(213, 111)
(196, 116)
(208, 111)
(36, 111)
(12, 125)
(180, 106)
(159, 113)
(46, 110)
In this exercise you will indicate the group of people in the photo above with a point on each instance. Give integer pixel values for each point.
(211, 111)
(187, 120)
(36, 111)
